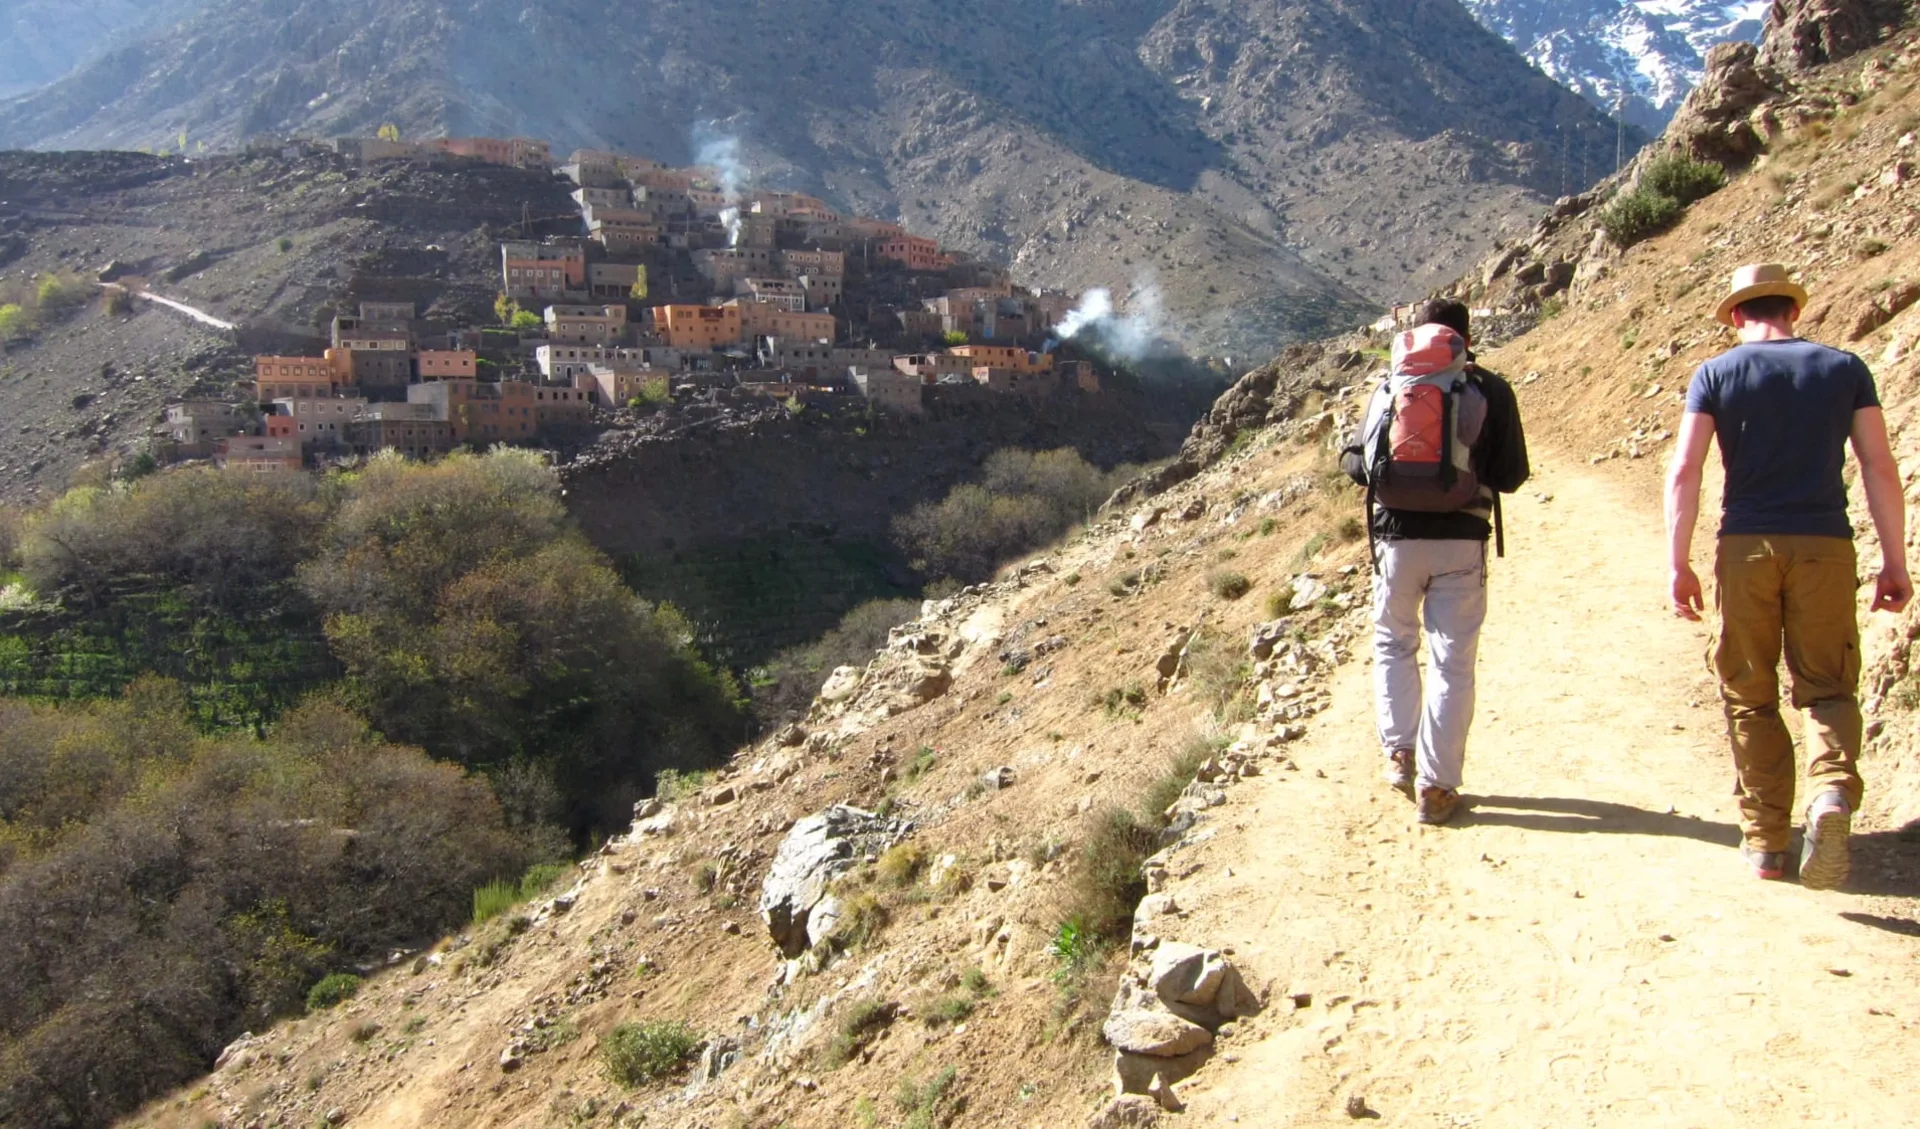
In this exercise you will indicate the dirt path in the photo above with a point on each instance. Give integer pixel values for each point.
(1583, 947)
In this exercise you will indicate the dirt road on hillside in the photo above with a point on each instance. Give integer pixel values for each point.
(1584, 946)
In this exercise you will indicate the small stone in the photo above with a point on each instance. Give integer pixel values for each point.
(1357, 1106)
(1128, 1111)
(1163, 1095)
(510, 1059)
(997, 779)
(1159, 1035)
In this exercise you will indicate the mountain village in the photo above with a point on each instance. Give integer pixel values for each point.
(680, 283)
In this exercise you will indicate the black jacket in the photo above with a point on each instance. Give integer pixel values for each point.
(1499, 459)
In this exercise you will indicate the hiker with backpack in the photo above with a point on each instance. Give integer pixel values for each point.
(1785, 411)
(1440, 442)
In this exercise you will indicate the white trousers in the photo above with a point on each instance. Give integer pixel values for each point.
(1447, 581)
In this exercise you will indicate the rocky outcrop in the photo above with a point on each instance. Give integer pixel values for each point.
(1802, 34)
(1713, 124)
(797, 901)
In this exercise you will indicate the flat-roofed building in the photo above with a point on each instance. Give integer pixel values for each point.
(698, 328)
(320, 424)
(411, 429)
(276, 378)
(261, 454)
(758, 319)
(561, 363)
(447, 364)
(892, 390)
(587, 325)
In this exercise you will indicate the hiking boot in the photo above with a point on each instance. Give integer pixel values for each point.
(1437, 805)
(1824, 857)
(1770, 865)
(1400, 771)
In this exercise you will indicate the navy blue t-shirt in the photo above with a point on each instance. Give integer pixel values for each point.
(1783, 411)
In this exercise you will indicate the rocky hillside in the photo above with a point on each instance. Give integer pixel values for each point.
(45, 40)
(1649, 52)
(1275, 168)
(265, 240)
(892, 915)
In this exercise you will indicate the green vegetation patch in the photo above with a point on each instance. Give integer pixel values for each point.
(634, 1054)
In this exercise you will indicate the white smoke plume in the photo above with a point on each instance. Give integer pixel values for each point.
(1126, 337)
(722, 154)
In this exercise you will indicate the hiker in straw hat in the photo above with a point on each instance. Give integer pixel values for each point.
(1785, 410)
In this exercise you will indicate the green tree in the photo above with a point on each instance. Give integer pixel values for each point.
(639, 290)
(388, 132)
(953, 337)
(475, 620)
(526, 319)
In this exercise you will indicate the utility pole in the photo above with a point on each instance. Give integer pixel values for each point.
(1620, 145)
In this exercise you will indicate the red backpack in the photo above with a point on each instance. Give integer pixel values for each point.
(1420, 432)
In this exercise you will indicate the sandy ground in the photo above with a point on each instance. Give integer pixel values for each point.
(1583, 947)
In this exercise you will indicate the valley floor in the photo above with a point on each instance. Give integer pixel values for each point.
(1583, 947)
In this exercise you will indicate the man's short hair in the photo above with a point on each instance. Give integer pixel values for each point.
(1774, 307)
(1445, 311)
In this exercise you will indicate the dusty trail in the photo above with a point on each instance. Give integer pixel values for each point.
(1583, 947)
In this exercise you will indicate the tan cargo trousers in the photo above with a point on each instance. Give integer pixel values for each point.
(1801, 589)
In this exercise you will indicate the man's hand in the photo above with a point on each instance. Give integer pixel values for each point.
(1894, 590)
(1688, 599)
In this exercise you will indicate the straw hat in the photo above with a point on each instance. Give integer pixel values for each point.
(1760, 280)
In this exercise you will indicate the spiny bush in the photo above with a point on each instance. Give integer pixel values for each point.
(1228, 585)
(634, 1054)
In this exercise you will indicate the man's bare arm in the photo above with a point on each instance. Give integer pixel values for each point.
(1683, 512)
(1887, 504)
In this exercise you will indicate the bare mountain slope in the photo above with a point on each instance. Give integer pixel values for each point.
(1274, 166)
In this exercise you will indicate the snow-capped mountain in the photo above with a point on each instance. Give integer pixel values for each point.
(1652, 52)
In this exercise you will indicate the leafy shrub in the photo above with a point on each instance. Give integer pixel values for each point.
(112, 910)
(57, 293)
(671, 785)
(285, 244)
(1228, 585)
(1633, 216)
(1682, 179)
(634, 1054)
(332, 990)
(1024, 499)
